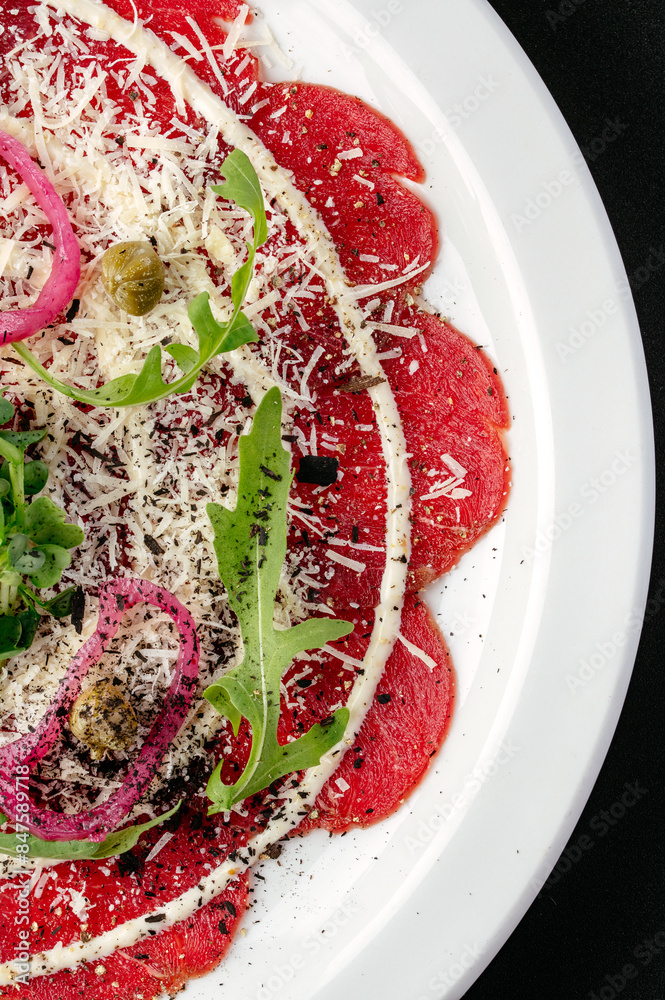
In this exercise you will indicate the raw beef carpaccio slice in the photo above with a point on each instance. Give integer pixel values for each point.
(453, 409)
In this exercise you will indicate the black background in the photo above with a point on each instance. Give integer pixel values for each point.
(605, 60)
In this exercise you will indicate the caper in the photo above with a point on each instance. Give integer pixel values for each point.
(133, 276)
(102, 718)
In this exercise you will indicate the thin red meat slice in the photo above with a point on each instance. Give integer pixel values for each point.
(402, 731)
(367, 211)
(453, 401)
(120, 889)
(155, 966)
(452, 404)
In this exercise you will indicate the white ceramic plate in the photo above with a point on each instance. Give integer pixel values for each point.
(417, 906)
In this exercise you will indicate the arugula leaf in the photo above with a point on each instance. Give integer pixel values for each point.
(241, 185)
(250, 545)
(77, 850)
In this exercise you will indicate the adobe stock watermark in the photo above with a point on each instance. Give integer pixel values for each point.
(461, 112)
(448, 977)
(590, 493)
(644, 954)
(599, 826)
(472, 783)
(605, 651)
(595, 319)
(374, 25)
(550, 192)
(595, 148)
(460, 624)
(653, 264)
(553, 188)
(21, 960)
(485, 87)
(285, 972)
(565, 10)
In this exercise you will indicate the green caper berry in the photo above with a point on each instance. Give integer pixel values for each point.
(102, 719)
(133, 276)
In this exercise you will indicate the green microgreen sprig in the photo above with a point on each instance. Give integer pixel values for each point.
(240, 185)
(34, 539)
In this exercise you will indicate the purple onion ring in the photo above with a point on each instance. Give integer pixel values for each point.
(16, 758)
(57, 293)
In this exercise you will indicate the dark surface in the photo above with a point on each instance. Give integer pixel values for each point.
(597, 930)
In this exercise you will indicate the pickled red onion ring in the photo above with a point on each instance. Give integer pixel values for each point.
(57, 293)
(16, 758)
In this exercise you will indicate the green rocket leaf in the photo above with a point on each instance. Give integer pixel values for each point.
(241, 185)
(250, 544)
(77, 850)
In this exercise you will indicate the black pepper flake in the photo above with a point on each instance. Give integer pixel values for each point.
(228, 905)
(153, 545)
(45, 243)
(355, 533)
(270, 474)
(128, 863)
(358, 763)
(155, 918)
(78, 609)
(383, 699)
(222, 928)
(73, 309)
(380, 200)
(319, 470)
